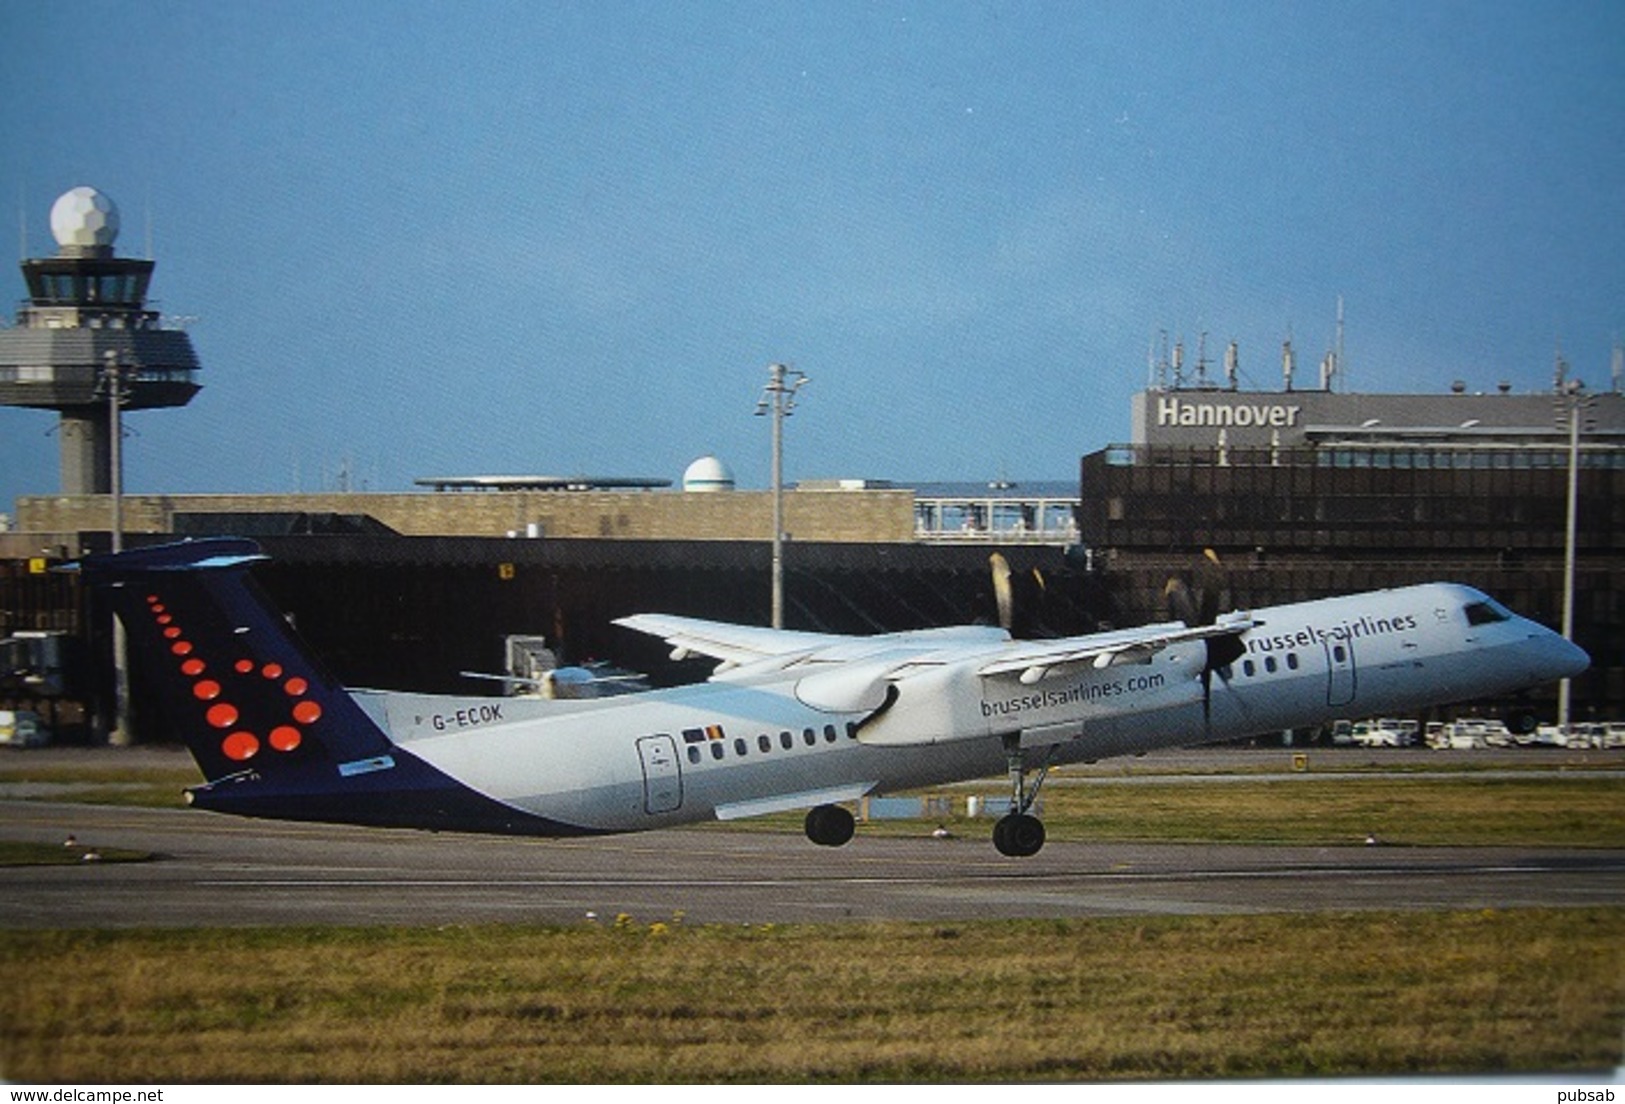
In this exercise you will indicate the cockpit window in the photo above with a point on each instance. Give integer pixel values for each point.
(1486, 613)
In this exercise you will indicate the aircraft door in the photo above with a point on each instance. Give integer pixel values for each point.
(1339, 671)
(662, 775)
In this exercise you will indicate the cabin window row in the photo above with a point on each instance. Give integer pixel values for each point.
(1270, 665)
(764, 743)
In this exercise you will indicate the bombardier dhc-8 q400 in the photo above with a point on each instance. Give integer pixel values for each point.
(788, 720)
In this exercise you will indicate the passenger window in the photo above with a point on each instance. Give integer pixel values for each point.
(764, 743)
(1340, 654)
(739, 746)
(693, 753)
(1248, 668)
(716, 749)
(1269, 664)
(829, 733)
(1292, 661)
(851, 731)
(809, 737)
(786, 741)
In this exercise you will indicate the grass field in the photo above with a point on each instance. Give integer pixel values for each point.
(152, 787)
(653, 1000)
(1443, 810)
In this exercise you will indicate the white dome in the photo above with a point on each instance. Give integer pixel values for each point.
(708, 474)
(84, 218)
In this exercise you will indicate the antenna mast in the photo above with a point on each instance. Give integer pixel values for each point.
(1339, 368)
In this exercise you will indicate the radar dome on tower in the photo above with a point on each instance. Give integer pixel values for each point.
(84, 219)
(708, 474)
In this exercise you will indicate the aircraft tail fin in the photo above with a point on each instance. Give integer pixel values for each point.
(241, 688)
(274, 733)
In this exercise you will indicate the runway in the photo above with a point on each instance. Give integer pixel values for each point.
(212, 870)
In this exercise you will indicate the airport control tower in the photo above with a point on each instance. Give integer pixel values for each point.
(85, 315)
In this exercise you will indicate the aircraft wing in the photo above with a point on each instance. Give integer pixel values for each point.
(1111, 649)
(734, 645)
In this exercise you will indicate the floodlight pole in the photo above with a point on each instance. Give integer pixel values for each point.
(1573, 399)
(113, 381)
(779, 399)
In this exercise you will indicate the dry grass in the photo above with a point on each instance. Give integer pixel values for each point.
(1535, 812)
(25, 853)
(1413, 811)
(1092, 1000)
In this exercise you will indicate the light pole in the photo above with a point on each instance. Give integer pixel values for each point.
(1572, 401)
(113, 381)
(778, 400)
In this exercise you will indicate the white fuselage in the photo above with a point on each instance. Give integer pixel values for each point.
(746, 743)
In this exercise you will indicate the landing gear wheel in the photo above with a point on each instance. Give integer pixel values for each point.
(1018, 835)
(829, 825)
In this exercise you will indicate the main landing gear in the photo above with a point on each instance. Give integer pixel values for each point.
(829, 825)
(1019, 834)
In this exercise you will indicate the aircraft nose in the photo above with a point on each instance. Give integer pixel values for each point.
(1563, 659)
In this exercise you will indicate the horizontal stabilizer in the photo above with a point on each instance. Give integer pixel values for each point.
(199, 555)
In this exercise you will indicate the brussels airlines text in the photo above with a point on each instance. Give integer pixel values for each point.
(1072, 695)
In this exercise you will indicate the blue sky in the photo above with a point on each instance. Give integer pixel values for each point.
(477, 237)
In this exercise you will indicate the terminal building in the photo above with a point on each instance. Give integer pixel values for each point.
(1301, 494)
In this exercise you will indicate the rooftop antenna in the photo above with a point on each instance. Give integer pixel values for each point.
(1288, 360)
(1179, 364)
(1617, 369)
(1339, 367)
(1201, 360)
(1232, 365)
(22, 223)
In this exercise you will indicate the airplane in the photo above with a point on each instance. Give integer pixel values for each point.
(788, 720)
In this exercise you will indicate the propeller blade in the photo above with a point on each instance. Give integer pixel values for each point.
(1001, 589)
(1180, 602)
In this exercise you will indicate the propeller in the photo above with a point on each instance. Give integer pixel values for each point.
(1002, 594)
(1202, 608)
